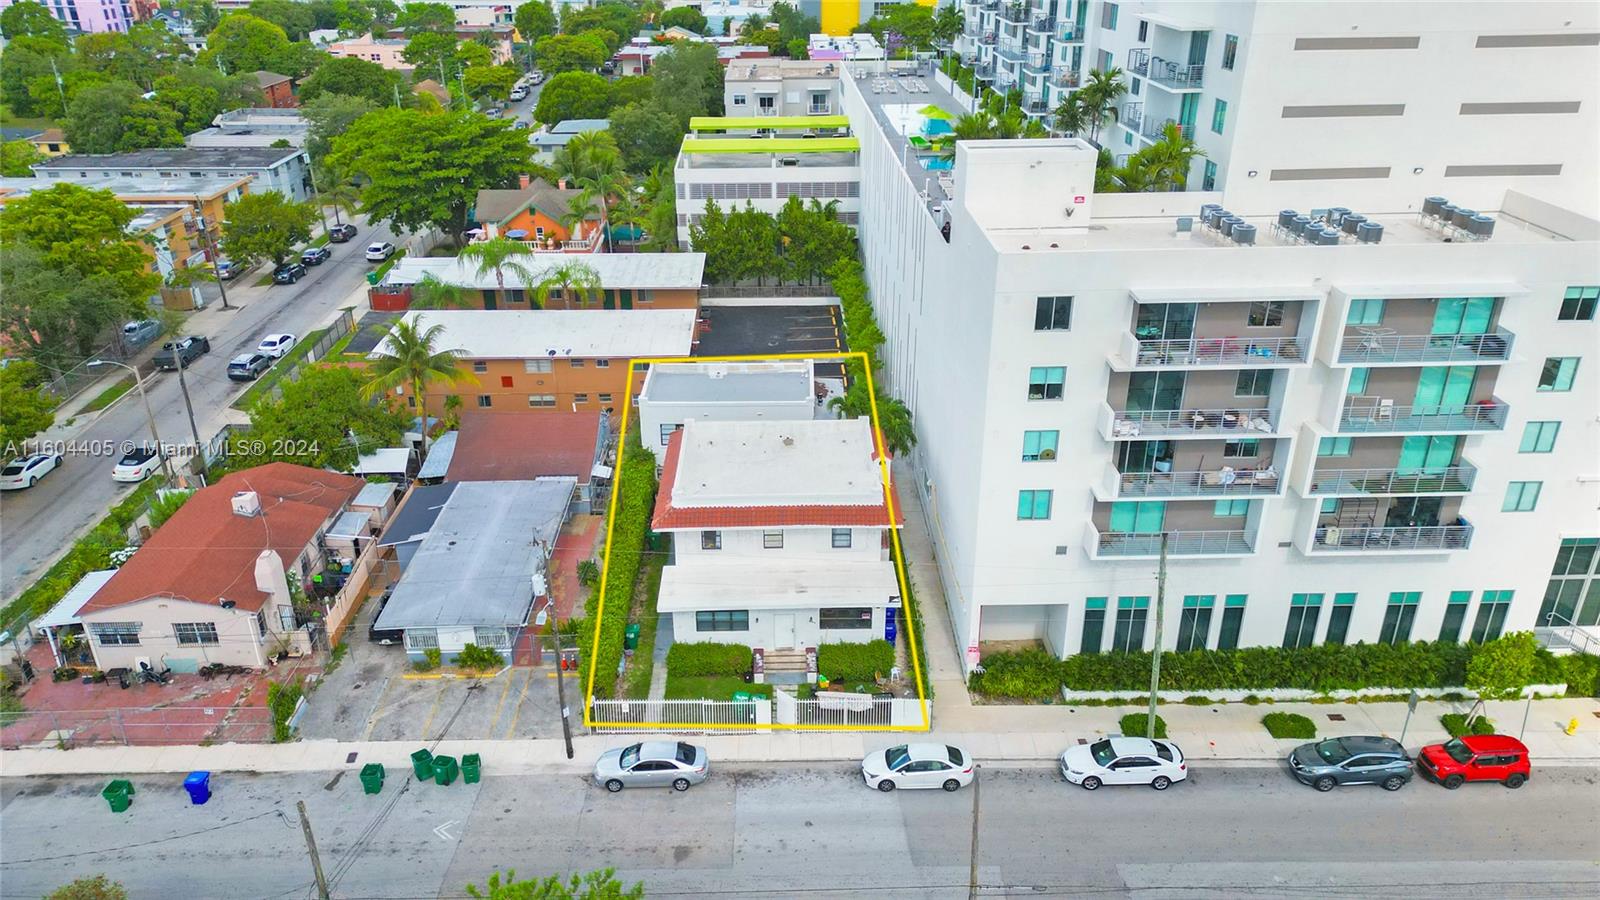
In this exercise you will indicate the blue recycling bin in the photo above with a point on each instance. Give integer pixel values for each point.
(198, 784)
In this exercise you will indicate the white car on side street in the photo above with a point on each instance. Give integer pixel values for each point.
(914, 766)
(25, 471)
(1124, 760)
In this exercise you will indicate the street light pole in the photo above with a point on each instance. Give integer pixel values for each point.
(138, 381)
(211, 248)
(1155, 656)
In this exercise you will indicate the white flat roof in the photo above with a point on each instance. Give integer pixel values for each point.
(801, 584)
(729, 382)
(386, 461)
(558, 333)
(376, 494)
(822, 462)
(675, 271)
(65, 612)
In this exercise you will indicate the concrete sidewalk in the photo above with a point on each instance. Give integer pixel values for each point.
(1224, 734)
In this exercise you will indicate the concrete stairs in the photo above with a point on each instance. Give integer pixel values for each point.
(788, 666)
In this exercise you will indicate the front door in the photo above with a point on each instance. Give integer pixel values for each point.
(783, 631)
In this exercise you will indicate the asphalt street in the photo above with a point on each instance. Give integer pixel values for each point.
(38, 523)
(818, 832)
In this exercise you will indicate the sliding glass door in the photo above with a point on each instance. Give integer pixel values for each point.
(1444, 389)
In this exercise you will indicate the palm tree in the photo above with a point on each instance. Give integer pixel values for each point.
(973, 126)
(407, 359)
(586, 154)
(1070, 116)
(339, 192)
(1172, 156)
(570, 278)
(1099, 98)
(1010, 124)
(580, 209)
(605, 181)
(431, 293)
(498, 255)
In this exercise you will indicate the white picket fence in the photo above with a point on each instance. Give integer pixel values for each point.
(846, 712)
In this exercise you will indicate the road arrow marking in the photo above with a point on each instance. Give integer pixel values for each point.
(443, 831)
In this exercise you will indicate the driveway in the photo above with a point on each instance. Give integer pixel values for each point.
(374, 696)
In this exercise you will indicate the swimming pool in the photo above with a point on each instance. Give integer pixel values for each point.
(936, 164)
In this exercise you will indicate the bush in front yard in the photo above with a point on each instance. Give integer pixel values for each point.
(1133, 725)
(1456, 724)
(480, 658)
(855, 662)
(634, 500)
(1289, 725)
(1028, 675)
(708, 659)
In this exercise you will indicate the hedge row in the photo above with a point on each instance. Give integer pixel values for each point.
(635, 499)
(861, 330)
(697, 659)
(91, 553)
(843, 662)
(1036, 675)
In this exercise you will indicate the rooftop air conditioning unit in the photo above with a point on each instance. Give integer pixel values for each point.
(247, 504)
(1433, 205)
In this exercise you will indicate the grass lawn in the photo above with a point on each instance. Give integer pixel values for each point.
(636, 684)
(264, 281)
(109, 395)
(388, 264)
(10, 120)
(711, 687)
(272, 376)
(319, 240)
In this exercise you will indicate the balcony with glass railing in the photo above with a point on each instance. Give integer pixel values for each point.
(1037, 63)
(1153, 129)
(1125, 545)
(1067, 78)
(988, 38)
(1175, 76)
(1335, 539)
(1144, 424)
(1221, 482)
(1370, 415)
(1216, 352)
(1014, 12)
(1011, 51)
(1378, 482)
(1041, 23)
(1371, 345)
(1069, 32)
(1131, 116)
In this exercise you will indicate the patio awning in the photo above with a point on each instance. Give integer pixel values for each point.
(65, 612)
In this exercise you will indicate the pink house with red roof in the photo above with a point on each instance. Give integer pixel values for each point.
(212, 584)
(780, 535)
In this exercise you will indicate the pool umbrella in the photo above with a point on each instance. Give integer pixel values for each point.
(932, 111)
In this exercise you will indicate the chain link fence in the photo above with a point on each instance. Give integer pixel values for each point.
(135, 726)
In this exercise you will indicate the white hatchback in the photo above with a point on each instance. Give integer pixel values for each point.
(1124, 760)
(378, 251)
(918, 766)
(275, 345)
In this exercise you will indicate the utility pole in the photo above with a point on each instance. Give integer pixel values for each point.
(60, 91)
(311, 847)
(561, 681)
(183, 386)
(1155, 657)
(211, 250)
(138, 382)
(317, 193)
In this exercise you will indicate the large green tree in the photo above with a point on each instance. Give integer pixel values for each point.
(684, 17)
(569, 53)
(598, 885)
(54, 314)
(535, 19)
(16, 158)
(902, 25)
(94, 117)
(354, 78)
(573, 95)
(24, 409)
(26, 18)
(647, 134)
(85, 230)
(688, 81)
(329, 116)
(244, 43)
(296, 19)
(493, 82)
(425, 169)
(266, 226)
(141, 54)
(28, 59)
(149, 124)
(415, 18)
(197, 94)
(620, 19)
(322, 419)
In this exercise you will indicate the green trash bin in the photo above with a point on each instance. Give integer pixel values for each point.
(422, 764)
(471, 768)
(742, 697)
(444, 769)
(630, 637)
(119, 794)
(372, 778)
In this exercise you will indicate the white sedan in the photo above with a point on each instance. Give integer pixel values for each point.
(378, 251)
(136, 465)
(24, 472)
(1124, 760)
(275, 345)
(918, 766)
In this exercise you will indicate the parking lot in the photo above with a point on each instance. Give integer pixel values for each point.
(751, 330)
(374, 696)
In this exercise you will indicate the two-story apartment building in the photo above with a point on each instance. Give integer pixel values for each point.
(212, 584)
(548, 359)
(283, 169)
(779, 534)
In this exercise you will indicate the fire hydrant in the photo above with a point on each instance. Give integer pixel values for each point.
(1572, 726)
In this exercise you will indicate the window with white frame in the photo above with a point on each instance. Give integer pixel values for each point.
(195, 632)
(710, 540)
(536, 366)
(116, 634)
(722, 620)
(422, 638)
(1265, 314)
(539, 401)
(772, 540)
(666, 431)
(491, 637)
(841, 538)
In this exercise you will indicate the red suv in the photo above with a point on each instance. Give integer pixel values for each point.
(1479, 757)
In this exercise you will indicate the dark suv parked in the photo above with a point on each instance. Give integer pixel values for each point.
(1351, 760)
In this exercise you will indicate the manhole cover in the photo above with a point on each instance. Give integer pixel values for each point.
(1336, 717)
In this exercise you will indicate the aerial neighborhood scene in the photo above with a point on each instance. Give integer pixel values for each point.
(607, 449)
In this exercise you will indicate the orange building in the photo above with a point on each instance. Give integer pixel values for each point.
(533, 214)
(572, 360)
(637, 281)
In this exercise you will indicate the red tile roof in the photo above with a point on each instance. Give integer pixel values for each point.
(206, 552)
(521, 446)
(668, 517)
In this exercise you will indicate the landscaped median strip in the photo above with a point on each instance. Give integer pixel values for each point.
(279, 370)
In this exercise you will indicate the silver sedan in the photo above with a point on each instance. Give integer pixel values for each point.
(652, 764)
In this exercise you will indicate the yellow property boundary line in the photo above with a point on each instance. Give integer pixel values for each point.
(894, 539)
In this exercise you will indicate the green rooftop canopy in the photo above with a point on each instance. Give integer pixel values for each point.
(724, 123)
(771, 145)
(934, 112)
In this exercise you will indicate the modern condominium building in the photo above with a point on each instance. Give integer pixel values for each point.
(1351, 410)
(1362, 92)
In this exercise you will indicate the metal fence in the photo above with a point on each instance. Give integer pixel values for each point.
(677, 715)
(73, 380)
(147, 726)
(845, 712)
(714, 291)
(333, 334)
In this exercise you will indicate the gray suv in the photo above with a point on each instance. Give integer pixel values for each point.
(1351, 760)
